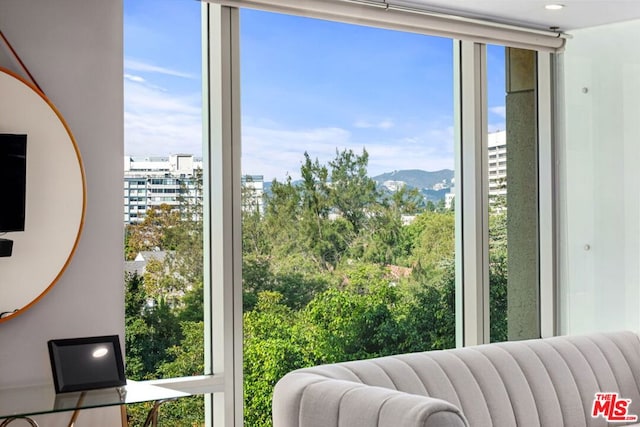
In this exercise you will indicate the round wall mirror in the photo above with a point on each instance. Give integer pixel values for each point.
(46, 186)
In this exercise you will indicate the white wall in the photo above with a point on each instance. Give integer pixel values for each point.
(73, 48)
(599, 176)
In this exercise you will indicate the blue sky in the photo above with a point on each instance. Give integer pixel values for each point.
(307, 85)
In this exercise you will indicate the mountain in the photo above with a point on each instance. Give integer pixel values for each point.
(418, 178)
(432, 185)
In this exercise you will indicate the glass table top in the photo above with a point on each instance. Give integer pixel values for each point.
(34, 400)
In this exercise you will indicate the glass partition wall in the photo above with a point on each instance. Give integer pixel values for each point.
(598, 157)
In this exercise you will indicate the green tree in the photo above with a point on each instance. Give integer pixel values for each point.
(270, 351)
(191, 308)
(433, 248)
(407, 201)
(280, 226)
(151, 328)
(498, 274)
(325, 239)
(354, 320)
(295, 278)
(156, 231)
(353, 193)
(330, 273)
(428, 321)
(186, 359)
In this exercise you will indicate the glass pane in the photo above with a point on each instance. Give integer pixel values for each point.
(598, 181)
(512, 175)
(163, 199)
(348, 222)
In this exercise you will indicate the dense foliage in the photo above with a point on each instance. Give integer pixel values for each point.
(334, 269)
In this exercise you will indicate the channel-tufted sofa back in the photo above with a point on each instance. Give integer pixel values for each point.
(545, 382)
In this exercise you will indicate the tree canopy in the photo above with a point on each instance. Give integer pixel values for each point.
(333, 269)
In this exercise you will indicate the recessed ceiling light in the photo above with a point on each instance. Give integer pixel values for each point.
(554, 6)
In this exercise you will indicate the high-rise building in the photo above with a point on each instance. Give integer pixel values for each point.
(496, 167)
(252, 192)
(153, 181)
(497, 146)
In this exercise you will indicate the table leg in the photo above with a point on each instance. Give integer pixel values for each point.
(74, 417)
(124, 421)
(152, 416)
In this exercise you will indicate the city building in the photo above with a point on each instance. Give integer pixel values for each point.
(496, 168)
(252, 193)
(153, 181)
(497, 147)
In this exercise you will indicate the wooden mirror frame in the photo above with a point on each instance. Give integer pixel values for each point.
(55, 196)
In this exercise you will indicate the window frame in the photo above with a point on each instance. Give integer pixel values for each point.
(222, 379)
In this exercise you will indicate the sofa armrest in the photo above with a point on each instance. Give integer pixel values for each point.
(308, 400)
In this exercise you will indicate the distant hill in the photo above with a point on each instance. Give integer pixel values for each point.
(418, 178)
(424, 181)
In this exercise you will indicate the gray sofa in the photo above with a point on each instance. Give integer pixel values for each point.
(546, 382)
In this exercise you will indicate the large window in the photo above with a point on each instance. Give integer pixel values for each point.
(341, 207)
(348, 196)
(163, 199)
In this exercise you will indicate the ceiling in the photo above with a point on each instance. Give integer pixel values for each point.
(531, 13)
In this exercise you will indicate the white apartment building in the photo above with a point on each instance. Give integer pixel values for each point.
(252, 193)
(497, 146)
(154, 181)
(496, 167)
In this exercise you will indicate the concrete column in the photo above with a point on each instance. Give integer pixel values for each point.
(523, 315)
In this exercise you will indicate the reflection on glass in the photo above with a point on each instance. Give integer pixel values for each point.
(100, 352)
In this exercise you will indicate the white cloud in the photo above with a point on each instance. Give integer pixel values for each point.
(386, 124)
(275, 152)
(500, 110)
(382, 124)
(134, 78)
(499, 123)
(135, 65)
(160, 123)
(145, 98)
(362, 124)
(431, 150)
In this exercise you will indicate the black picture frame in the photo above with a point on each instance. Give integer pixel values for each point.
(89, 363)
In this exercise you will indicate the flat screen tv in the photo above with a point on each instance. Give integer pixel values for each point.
(13, 181)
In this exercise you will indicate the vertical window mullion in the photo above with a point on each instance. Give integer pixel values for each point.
(472, 240)
(546, 185)
(223, 344)
(206, 204)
